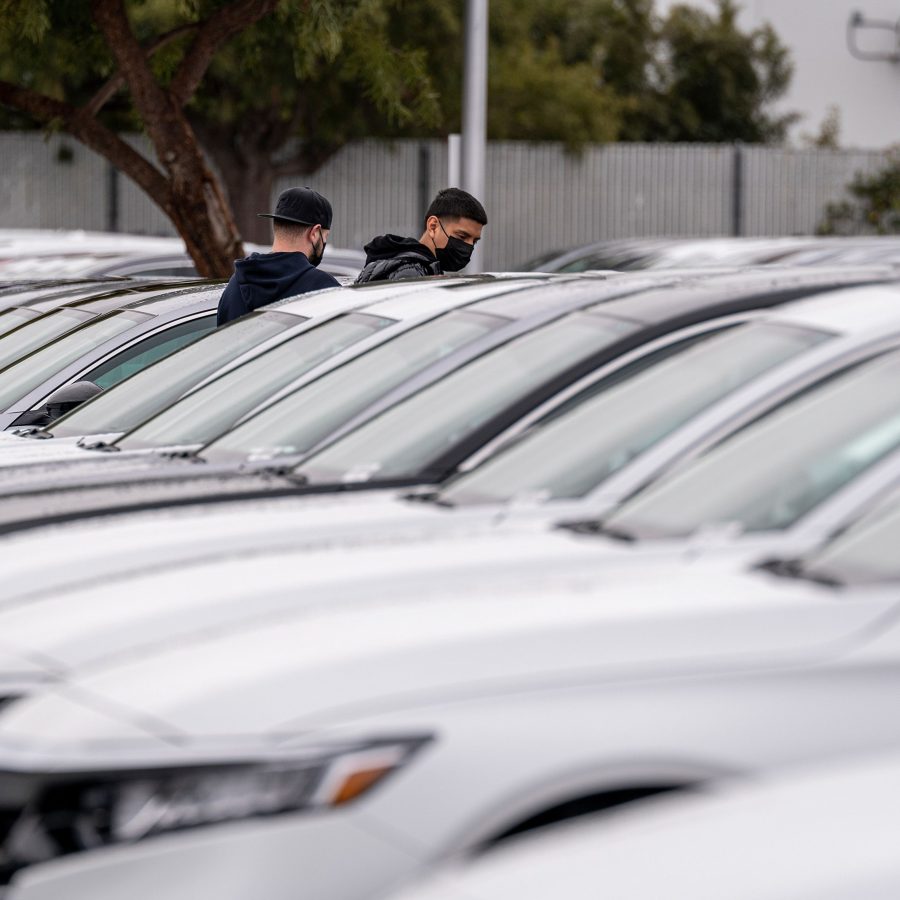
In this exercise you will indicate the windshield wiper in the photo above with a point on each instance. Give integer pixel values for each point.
(36, 432)
(103, 446)
(600, 528)
(428, 495)
(797, 568)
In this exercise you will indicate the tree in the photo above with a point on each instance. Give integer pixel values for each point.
(714, 82)
(270, 107)
(73, 57)
(274, 87)
(582, 71)
(875, 207)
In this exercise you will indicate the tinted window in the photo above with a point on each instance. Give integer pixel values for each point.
(616, 419)
(27, 374)
(148, 351)
(156, 387)
(302, 419)
(211, 409)
(39, 332)
(405, 439)
(771, 473)
(867, 552)
(13, 318)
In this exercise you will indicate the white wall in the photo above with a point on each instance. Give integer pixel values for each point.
(867, 94)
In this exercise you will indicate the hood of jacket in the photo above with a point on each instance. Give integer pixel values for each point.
(266, 277)
(388, 246)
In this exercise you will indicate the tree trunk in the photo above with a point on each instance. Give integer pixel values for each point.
(194, 199)
(198, 208)
(247, 173)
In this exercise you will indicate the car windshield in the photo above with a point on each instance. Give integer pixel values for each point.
(769, 474)
(303, 418)
(864, 554)
(611, 422)
(38, 332)
(13, 318)
(133, 401)
(406, 439)
(27, 374)
(211, 409)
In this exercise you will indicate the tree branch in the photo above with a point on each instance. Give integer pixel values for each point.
(85, 128)
(115, 84)
(222, 25)
(149, 98)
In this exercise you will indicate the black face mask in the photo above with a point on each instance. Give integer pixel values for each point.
(316, 257)
(455, 255)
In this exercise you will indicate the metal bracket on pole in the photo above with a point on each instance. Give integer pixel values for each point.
(858, 22)
(454, 160)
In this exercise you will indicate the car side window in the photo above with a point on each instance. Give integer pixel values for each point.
(143, 353)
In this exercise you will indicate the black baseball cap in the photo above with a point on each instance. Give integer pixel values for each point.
(303, 206)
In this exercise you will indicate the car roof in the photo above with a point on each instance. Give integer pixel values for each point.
(658, 310)
(407, 303)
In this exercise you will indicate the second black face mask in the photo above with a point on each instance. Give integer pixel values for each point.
(316, 257)
(455, 255)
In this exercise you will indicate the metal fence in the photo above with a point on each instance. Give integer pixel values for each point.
(539, 196)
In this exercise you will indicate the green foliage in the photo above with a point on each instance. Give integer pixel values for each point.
(875, 207)
(597, 70)
(828, 136)
(52, 48)
(322, 72)
(27, 19)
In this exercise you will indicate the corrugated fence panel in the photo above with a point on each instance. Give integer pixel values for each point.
(539, 197)
(137, 214)
(786, 191)
(50, 183)
(373, 188)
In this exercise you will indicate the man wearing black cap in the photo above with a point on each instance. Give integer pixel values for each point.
(302, 220)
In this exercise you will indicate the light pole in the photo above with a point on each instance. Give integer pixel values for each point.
(474, 107)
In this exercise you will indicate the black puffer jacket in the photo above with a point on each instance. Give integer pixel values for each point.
(391, 258)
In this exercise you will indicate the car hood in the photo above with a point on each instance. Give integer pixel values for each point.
(382, 644)
(29, 451)
(37, 466)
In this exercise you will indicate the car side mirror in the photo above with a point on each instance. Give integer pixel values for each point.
(61, 401)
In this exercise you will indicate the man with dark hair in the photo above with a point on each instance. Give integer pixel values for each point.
(301, 222)
(453, 227)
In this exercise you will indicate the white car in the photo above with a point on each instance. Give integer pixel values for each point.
(36, 253)
(828, 832)
(363, 738)
(275, 344)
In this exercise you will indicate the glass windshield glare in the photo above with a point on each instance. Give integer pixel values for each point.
(207, 412)
(404, 440)
(22, 377)
(866, 552)
(769, 474)
(13, 318)
(35, 334)
(615, 419)
(144, 394)
(303, 418)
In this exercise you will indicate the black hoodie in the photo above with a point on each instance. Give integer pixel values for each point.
(390, 258)
(263, 278)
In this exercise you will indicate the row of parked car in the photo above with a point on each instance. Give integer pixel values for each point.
(516, 585)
